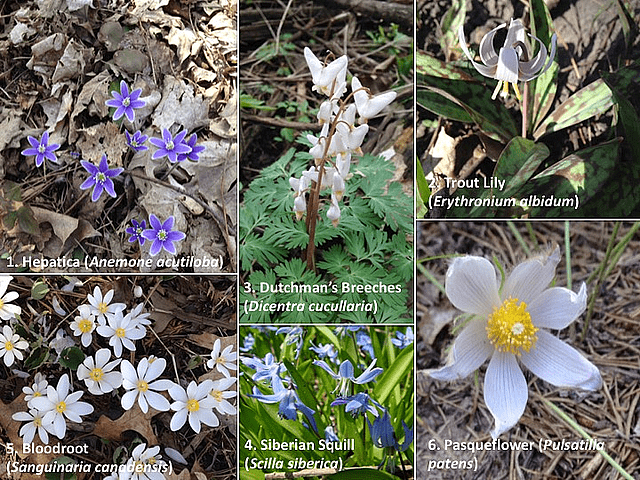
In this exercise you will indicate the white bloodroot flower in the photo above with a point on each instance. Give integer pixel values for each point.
(194, 403)
(38, 389)
(121, 331)
(220, 393)
(145, 464)
(58, 404)
(509, 327)
(7, 311)
(34, 419)
(10, 345)
(97, 373)
(84, 324)
(102, 307)
(512, 63)
(223, 361)
(141, 383)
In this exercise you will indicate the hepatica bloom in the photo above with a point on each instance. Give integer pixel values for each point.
(162, 235)
(196, 150)
(124, 102)
(100, 178)
(512, 63)
(169, 146)
(41, 149)
(136, 141)
(508, 327)
(136, 231)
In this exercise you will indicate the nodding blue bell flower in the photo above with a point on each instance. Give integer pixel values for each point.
(512, 63)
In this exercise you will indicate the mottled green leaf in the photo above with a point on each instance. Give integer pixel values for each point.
(593, 99)
(39, 290)
(27, 220)
(576, 178)
(436, 103)
(424, 192)
(518, 162)
(451, 22)
(492, 117)
(542, 90)
(630, 122)
(37, 357)
(431, 66)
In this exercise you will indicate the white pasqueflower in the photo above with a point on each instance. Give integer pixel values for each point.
(145, 464)
(101, 306)
(508, 327)
(58, 404)
(7, 311)
(512, 63)
(121, 331)
(223, 361)
(34, 419)
(368, 105)
(10, 345)
(84, 324)
(219, 392)
(97, 373)
(141, 383)
(327, 79)
(38, 389)
(194, 403)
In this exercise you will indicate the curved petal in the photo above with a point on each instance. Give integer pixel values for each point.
(157, 401)
(561, 365)
(178, 420)
(557, 307)
(128, 399)
(471, 285)
(532, 66)
(470, 349)
(507, 69)
(515, 33)
(505, 391)
(487, 71)
(530, 278)
(487, 51)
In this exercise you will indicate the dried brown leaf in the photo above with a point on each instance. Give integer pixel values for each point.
(132, 419)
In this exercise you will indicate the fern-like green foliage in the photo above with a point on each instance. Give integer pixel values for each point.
(369, 247)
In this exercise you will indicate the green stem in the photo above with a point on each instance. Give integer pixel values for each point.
(585, 435)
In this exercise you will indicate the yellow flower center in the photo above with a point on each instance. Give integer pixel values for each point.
(96, 374)
(102, 307)
(37, 394)
(8, 345)
(509, 328)
(1, 303)
(120, 332)
(61, 407)
(37, 421)
(216, 394)
(143, 386)
(85, 325)
(193, 405)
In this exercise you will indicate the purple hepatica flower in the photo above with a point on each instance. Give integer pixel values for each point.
(100, 178)
(383, 435)
(169, 146)
(290, 403)
(195, 150)
(136, 231)
(162, 235)
(136, 141)
(41, 149)
(345, 375)
(124, 102)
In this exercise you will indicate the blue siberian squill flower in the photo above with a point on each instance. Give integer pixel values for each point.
(41, 149)
(358, 404)
(136, 232)
(403, 340)
(125, 102)
(100, 178)
(383, 435)
(290, 403)
(364, 342)
(345, 375)
(325, 350)
(247, 343)
(162, 235)
(267, 369)
(136, 141)
(330, 434)
(196, 150)
(512, 63)
(169, 146)
(509, 327)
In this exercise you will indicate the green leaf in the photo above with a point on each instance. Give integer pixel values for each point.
(593, 99)
(64, 475)
(71, 357)
(394, 375)
(451, 21)
(426, 65)
(37, 357)
(518, 162)
(27, 220)
(39, 289)
(579, 176)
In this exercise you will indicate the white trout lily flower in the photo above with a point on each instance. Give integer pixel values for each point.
(508, 327)
(512, 63)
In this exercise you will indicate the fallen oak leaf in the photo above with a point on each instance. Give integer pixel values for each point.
(132, 419)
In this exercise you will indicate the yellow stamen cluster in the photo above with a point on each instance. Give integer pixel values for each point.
(61, 407)
(216, 394)
(509, 327)
(85, 325)
(193, 405)
(96, 374)
(8, 345)
(143, 386)
(102, 307)
(120, 332)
